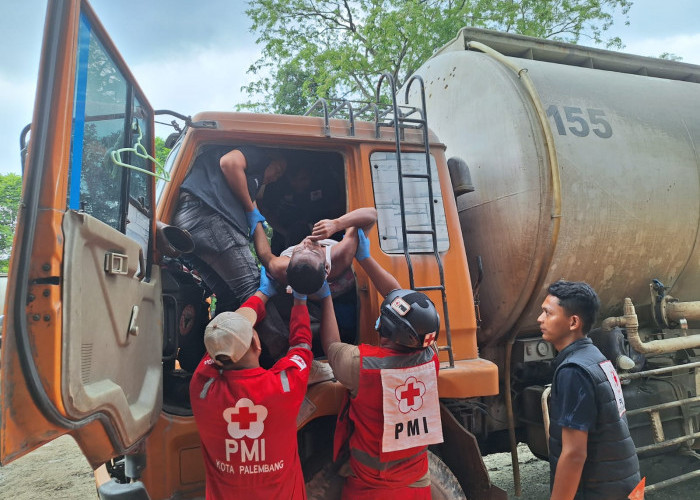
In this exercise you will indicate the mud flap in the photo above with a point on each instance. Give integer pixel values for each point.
(112, 490)
(461, 454)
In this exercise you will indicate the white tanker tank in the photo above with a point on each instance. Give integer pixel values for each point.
(585, 165)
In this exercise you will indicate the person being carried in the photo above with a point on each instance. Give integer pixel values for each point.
(217, 207)
(246, 415)
(384, 384)
(591, 453)
(317, 258)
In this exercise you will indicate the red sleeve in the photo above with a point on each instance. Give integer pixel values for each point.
(256, 304)
(299, 327)
(296, 365)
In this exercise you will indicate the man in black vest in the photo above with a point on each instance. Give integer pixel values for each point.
(591, 453)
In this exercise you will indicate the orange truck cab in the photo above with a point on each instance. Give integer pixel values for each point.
(100, 319)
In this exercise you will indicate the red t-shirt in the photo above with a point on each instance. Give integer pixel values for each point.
(247, 420)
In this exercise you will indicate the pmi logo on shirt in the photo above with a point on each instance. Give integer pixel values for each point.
(410, 395)
(246, 423)
(410, 407)
(245, 419)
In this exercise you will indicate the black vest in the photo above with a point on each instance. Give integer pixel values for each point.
(611, 470)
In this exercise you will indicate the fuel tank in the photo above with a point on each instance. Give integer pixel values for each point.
(585, 167)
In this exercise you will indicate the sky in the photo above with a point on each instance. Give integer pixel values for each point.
(193, 56)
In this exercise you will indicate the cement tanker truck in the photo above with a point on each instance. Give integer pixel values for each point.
(583, 165)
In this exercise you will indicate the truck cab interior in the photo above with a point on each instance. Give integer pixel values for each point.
(311, 189)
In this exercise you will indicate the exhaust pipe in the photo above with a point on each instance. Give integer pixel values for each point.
(172, 241)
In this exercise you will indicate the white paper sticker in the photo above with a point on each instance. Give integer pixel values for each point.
(411, 407)
(614, 380)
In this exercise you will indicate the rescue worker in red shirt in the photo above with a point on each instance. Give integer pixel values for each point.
(246, 415)
(392, 413)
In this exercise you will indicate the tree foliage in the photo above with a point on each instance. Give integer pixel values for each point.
(10, 196)
(337, 48)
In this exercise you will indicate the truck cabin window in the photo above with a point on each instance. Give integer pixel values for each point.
(417, 202)
(107, 116)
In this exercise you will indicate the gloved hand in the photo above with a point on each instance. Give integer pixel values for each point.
(322, 292)
(297, 295)
(268, 285)
(254, 216)
(362, 251)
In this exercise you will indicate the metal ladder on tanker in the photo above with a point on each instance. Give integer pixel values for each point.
(401, 118)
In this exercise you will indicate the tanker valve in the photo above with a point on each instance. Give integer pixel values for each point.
(629, 321)
(668, 311)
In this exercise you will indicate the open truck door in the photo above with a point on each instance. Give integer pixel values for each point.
(81, 350)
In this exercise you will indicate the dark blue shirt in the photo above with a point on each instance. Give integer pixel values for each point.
(207, 182)
(573, 399)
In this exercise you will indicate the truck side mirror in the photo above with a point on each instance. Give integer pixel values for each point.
(172, 139)
(460, 176)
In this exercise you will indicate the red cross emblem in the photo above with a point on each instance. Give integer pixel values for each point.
(429, 339)
(410, 395)
(245, 419)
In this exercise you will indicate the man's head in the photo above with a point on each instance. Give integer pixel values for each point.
(230, 337)
(275, 169)
(306, 271)
(409, 319)
(568, 312)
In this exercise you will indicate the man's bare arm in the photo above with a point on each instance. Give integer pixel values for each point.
(363, 218)
(329, 325)
(276, 266)
(233, 165)
(570, 464)
(382, 279)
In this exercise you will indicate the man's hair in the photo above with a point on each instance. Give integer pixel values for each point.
(304, 275)
(577, 298)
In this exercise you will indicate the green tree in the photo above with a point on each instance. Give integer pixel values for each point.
(670, 56)
(337, 48)
(161, 151)
(10, 196)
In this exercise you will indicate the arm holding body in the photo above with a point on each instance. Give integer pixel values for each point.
(329, 325)
(276, 266)
(382, 279)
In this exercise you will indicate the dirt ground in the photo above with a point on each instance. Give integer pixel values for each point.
(58, 471)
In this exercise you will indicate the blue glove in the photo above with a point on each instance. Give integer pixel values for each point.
(297, 295)
(362, 251)
(268, 285)
(322, 292)
(254, 217)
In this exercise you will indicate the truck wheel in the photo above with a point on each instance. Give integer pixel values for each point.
(443, 484)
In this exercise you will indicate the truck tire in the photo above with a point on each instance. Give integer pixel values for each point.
(443, 484)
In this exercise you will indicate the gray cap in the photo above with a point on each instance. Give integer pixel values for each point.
(229, 334)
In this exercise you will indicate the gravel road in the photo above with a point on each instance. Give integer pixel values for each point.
(58, 471)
